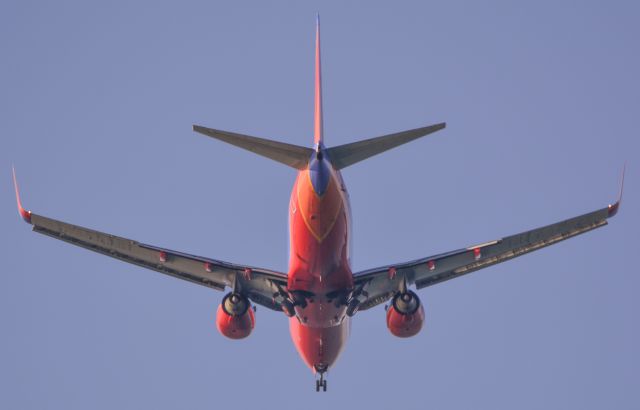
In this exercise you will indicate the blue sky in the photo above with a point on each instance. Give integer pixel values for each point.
(97, 103)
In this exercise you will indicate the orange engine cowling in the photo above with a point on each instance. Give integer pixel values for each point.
(405, 316)
(235, 318)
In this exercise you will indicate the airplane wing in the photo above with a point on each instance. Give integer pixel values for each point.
(375, 286)
(264, 287)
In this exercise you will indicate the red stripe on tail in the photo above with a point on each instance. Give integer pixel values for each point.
(317, 131)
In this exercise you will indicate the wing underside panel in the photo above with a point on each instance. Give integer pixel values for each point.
(496, 256)
(261, 285)
(376, 286)
(120, 248)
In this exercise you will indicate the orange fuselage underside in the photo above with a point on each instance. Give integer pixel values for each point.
(319, 230)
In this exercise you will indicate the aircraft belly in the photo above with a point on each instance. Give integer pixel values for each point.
(319, 278)
(319, 347)
(319, 255)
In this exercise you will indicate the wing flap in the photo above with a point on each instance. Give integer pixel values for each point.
(129, 251)
(263, 286)
(509, 248)
(260, 285)
(378, 285)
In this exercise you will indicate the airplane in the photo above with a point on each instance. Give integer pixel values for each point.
(319, 293)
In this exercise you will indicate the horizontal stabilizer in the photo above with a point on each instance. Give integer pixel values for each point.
(348, 154)
(288, 154)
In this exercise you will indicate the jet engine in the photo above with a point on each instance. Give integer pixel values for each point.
(405, 316)
(235, 318)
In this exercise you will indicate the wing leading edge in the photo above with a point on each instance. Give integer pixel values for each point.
(376, 286)
(263, 286)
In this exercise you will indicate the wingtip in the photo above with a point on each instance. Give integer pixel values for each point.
(198, 128)
(613, 208)
(436, 127)
(26, 215)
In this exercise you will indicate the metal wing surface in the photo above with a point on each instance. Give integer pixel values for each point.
(376, 286)
(263, 286)
(260, 285)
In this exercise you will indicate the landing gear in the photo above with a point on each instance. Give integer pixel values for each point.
(321, 383)
(352, 307)
(287, 308)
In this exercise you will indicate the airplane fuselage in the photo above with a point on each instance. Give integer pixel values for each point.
(320, 277)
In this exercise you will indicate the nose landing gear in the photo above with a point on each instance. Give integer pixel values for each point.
(321, 383)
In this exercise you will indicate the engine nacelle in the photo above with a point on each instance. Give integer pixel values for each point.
(235, 318)
(405, 316)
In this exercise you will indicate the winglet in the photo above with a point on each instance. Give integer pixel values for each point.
(26, 215)
(613, 209)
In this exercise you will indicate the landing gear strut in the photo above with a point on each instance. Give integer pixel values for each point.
(321, 383)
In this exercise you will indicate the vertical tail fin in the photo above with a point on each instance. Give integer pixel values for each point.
(317, 129)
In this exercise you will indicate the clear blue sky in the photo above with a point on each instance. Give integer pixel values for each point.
(542, 105)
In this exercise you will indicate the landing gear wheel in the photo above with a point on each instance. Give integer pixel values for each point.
(287, 308)
(352, 307)
(321, 382)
